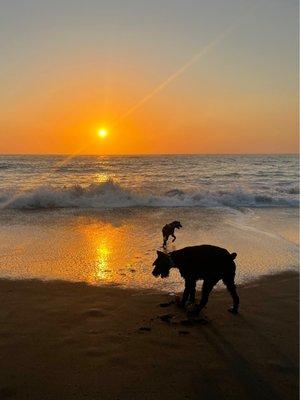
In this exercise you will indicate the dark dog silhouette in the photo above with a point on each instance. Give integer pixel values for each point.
(206, 262)
(168, 230)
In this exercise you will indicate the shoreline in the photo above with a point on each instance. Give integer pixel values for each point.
(77, 341)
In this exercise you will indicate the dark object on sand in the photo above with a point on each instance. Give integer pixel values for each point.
(145, 328)
(168, 230)
(207, 263)
(168, 304)
(94, 312)
(166, 317)
(184, 332)
(194, 321)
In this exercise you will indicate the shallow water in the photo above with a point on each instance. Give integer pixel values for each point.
(119, 246)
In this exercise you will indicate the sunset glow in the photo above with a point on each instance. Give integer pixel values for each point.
(211, 93)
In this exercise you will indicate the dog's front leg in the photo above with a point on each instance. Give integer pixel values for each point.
(185, 294)
(207, 287)
(174, 237)
(188, 289)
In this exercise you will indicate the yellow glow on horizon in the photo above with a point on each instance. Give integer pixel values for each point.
(102, 133)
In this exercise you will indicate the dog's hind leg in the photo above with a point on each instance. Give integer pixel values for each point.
(229, 282)
(192, 286)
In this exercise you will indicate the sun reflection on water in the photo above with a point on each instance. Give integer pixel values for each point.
(107, 248)
(102, 177)
(103, 252)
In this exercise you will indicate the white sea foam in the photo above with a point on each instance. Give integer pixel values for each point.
(111, 195)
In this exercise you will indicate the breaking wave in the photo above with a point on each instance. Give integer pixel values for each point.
(111, 195)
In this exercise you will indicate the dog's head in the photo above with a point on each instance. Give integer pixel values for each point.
(162, 265)
(177, 224)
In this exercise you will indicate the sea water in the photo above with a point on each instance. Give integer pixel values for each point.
(98, 219)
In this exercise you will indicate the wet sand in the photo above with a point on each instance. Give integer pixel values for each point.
(73, 341)
(118, 247)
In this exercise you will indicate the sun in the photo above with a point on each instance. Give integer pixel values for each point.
(102, 133)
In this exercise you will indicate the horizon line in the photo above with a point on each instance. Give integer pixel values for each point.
(148, 154)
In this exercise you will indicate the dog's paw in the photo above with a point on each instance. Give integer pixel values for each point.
(190, 306)
(178, 302)
(193, 311)
(233, 310)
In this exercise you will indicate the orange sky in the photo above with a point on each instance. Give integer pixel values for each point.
(61, 85)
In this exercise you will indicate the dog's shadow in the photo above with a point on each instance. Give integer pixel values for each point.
(180, 316)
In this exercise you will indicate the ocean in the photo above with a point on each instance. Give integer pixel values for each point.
(98, 219)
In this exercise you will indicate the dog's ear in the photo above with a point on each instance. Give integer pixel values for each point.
(233, 255)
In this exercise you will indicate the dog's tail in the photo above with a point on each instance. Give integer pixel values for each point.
(233, 256)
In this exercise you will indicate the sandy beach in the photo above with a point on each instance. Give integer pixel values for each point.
(64, 340)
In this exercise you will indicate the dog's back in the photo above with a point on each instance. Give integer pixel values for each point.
(205, 261)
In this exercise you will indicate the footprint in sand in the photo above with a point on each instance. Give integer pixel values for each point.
(95, 312)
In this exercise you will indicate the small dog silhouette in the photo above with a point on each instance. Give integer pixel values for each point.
(207, 263)
(168, 230)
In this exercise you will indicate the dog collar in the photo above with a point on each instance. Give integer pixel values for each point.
(171, 260)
